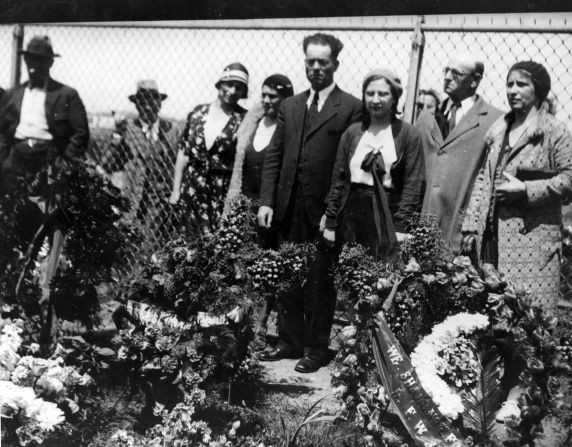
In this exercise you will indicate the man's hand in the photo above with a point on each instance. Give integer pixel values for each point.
(329, 237)
(323, 223)
(510, 190)
(174, 198)
(265, 214)
(402, 236)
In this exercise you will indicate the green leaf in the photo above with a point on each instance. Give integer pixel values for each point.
(483, 401)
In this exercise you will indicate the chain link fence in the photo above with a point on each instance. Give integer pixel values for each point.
(105, 61)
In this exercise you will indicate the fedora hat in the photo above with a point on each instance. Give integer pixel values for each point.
(147, 87)
(39, 46)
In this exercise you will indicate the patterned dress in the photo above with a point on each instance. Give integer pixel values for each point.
(206, 181)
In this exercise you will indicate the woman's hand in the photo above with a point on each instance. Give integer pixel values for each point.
(175, 196)
(329, 237)
(402, 236)
(510, 190)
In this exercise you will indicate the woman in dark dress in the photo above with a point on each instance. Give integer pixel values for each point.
(378, 175)
(206, 153)
(253, 137)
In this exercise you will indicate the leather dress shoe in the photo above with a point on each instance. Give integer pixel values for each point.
(279, 353)
(309, 364)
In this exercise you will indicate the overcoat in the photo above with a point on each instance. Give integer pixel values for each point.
(285, 163)
(456, 163)
(529, 231)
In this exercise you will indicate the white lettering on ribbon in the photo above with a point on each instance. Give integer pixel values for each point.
(394, 355)
(411, 410)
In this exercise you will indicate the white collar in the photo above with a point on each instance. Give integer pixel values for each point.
(322, 95)
(466, 104)
(151, 131)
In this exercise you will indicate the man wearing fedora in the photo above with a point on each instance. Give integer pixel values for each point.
(145, 149)
(41, 119)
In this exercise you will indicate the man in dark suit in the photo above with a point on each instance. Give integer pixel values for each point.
(41, 119)
(295, 181)
(454, 155)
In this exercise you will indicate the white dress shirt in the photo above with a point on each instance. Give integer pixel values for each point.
(151, 131)
(33, 121)
(322, 96)
(466, 105)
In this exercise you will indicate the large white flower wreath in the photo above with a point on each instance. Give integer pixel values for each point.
(428, 363)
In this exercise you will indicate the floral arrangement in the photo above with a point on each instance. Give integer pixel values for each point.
(187, 313)
(88, 209)
(37, 393)
(471, 336)
(445, 357)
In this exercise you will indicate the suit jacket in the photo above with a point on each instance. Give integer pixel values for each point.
(292, 157)
(65, 113)
(454, 165)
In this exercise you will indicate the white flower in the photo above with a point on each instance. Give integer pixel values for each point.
(428, 364)
(34, 348)
(15, 398)
(20, 374)
(339, 391)
(349, 331)
(46, 414)
(85, 380)
(50, 384)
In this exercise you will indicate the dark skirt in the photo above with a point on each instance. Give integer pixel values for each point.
(357, 223)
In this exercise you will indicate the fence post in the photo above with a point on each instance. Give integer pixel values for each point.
(17, 45)
(415, 60)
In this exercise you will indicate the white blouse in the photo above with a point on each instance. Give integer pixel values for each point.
(384, 142)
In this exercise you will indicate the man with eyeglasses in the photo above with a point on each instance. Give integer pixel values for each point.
(455, 153)
(296, 178)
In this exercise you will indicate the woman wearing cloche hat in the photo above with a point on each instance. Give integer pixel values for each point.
(206, 153)
(377, 177)
(514, 218)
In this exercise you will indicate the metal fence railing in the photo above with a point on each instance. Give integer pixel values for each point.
(104, 62)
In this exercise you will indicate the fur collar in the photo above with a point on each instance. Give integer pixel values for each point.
(244, 137)
(542, 125)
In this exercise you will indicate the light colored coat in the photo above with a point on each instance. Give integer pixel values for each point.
(244, 136)
(455, 164)
(529, 233)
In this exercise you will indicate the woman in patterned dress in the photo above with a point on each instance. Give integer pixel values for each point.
(206, 153)
(515, 213)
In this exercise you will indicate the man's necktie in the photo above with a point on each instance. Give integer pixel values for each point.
(311, 114)
(452, 121)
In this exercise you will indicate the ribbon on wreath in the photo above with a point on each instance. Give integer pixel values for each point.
(417, 411)
(147, 314)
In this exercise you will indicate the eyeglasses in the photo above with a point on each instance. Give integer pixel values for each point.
(455, 73)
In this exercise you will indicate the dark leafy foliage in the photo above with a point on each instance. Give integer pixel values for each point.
(87, 208)
(525, 345)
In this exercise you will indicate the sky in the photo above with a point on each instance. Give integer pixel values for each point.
(104, 63)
